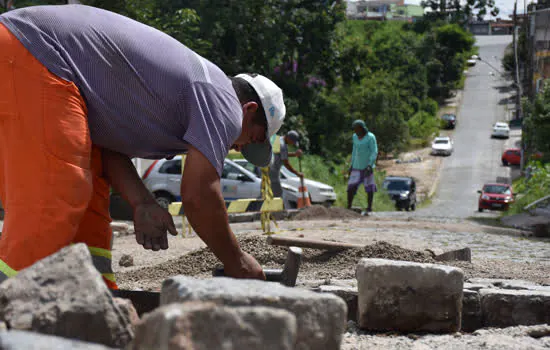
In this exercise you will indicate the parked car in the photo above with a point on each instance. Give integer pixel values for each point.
(442, 145)
(402, 190)
(511, 156)
(319, 193)
(495, 196)
(501, 129)
(449, 121)
(163, 179)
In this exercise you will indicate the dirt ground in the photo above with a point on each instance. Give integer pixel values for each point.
(382, 237)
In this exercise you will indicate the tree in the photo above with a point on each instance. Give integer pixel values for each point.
(537, 122)
(460, 12)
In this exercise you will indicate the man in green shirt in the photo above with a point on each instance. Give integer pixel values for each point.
(363, 158)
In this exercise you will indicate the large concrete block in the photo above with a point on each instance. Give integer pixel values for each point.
(205, 325)
(64, 295)
(321, 317)
(471, 311)
(23, 340)
(408, 297)
(508, 307)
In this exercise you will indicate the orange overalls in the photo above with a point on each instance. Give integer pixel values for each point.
(51, 181)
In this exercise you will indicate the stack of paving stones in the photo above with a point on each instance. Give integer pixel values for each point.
(62, 303)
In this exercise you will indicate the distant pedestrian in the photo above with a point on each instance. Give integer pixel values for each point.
(280, 157)
(363, 158)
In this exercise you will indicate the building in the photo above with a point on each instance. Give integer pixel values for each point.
(496, 27)
(382, 10)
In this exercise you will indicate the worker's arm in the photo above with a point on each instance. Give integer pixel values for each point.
(298, 153)
(205, 209)
(151, 221)
(373, 150)
(291, 169)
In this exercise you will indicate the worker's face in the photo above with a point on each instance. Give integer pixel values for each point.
(359, 130)
(253, 129)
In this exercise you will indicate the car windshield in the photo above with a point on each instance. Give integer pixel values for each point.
(396, 185)
(448, 117)
(440, 142)
(497, 189)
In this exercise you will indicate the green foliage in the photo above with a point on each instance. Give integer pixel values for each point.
(423, 125)
(536, 187)
(537, 121)
(320, 169)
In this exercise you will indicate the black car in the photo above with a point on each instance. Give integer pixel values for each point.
(402, 190)
(449, 121)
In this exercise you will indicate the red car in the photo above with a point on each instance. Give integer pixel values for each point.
(511, 156)
(495, 196)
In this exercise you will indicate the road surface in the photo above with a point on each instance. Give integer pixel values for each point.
(476, 159)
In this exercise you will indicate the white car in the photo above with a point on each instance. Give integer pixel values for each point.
(319, 192)
(501, 129)
(163, 179)
(442, 145)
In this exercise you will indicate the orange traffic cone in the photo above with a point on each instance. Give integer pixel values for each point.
(303, 197)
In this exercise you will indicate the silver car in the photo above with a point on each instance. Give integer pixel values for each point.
(163, 179)
(319, 193)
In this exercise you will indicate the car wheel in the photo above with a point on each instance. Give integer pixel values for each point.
(164, 200)
(413, 207)
(480, 210)
(504, 162)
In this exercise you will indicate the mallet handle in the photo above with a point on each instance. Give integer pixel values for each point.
(310, 243)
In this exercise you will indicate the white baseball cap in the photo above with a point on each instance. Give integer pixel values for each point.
(271, 97)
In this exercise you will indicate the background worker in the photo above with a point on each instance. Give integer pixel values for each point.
(83, 91)
(280, 157)
(363, 159)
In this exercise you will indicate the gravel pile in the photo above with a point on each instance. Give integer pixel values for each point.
(316, 264)
(319, 212)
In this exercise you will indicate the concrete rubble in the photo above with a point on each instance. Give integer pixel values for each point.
(409, 297)
(64, 295)
(205, 325)
(321, 317)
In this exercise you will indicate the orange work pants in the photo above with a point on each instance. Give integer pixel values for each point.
(51, 182)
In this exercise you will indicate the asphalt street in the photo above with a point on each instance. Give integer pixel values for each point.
(477, 158)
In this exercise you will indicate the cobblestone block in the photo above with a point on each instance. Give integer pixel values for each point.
(408, 297)
(321, 317)
(204, 325)
(508, 307)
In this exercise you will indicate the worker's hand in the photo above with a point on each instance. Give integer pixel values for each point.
(299, 153)
(244, 267)
(151, 222)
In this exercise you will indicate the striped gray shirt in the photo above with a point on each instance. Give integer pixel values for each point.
(148, 95)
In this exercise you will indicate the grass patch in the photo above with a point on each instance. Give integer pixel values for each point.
(317, 168)
(494, 221)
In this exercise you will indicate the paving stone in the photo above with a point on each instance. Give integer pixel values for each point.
(508, 307)
(477, 286)
(471, 311)
(464, 254)
(64, 295)
(408, 297)
(205, 325)
(348, 294)
(321, 317)
(23, 340)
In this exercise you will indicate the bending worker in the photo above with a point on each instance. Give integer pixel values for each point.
(280, 157)
(83, 91)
